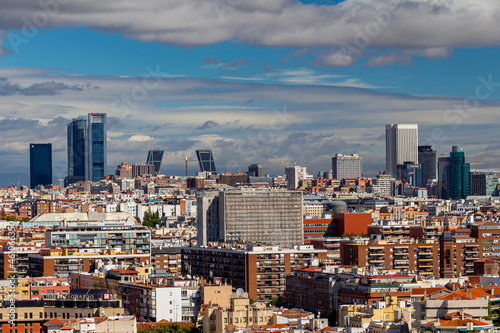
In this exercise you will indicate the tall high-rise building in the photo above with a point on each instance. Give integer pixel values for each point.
(347, 166)
(77, 149)
(427, 160)
(97, 147)
(255, 170)
(294, 174)
(459, 174)
(267, 217)
(40, 164)
(444, 177)
(401, 144)
(206, 161)
(155, 157)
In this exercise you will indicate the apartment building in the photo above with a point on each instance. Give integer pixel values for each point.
(259, 270)
(166, 259)
(240, 314)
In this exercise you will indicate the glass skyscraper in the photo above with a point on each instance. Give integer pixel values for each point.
(459, 174)
(40, 164)
(206, 161)
(97, 146)
(155, 157)
(77, 149)
(427, 159)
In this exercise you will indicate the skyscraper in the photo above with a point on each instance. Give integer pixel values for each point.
(77, 149)
(427, 160)
(459, 174)
(255, 170)
(347, 166)
(206, 161)
(155, 157)
(97, 147)
(40, 164)
(401, 143)
(444, 177)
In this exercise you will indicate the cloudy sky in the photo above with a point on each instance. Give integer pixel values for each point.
(268, 81)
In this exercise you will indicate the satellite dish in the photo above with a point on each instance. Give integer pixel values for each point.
(239, 291)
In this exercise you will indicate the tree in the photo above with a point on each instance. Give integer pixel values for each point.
(172, 328)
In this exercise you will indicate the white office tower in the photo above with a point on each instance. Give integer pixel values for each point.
(401, 145)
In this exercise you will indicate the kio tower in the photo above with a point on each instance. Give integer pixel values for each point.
(401, 144)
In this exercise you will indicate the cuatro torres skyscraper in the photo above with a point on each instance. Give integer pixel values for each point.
(87, 148)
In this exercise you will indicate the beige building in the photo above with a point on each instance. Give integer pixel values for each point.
(240, 314)
(217, 294)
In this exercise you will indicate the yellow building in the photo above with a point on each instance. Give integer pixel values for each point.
(240, 314)
(361, 316)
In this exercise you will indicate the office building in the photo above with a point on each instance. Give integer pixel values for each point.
(77, 150)
(97, 146)
(155, 157)
(483, 184)
(401, 143)
(294, 175)
(206, 161)
(411, 173)
(264, 216)
(444, 177)
(255, 170)
(347, 166)
(459, 185)
(427, 160)
(139, 170)
(40, 164)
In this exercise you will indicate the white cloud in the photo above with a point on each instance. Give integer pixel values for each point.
(429, 25)
(140, 138)
(246, 122)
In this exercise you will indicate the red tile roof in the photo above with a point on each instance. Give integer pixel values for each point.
(55, 321)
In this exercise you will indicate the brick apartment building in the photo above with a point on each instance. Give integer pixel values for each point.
(259, 270)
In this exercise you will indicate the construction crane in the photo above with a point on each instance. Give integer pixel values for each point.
(479, 159)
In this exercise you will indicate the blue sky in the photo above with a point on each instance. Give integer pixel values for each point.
(222, 63)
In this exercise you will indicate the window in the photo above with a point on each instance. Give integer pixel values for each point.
(236, 320)
(31, 315)
(225, 320)
(260, 319)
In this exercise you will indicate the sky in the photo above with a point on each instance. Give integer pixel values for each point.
(275, 82)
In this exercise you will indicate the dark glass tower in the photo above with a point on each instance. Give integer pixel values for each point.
(77, 150)
(40, 164)
(97, 147)
(255, 170)
(427, 160)
(155, 157)
(459, 174)
(206, 161)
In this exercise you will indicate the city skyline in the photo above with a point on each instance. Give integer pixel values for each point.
(299, 85)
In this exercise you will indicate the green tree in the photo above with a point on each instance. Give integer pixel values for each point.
(172, 328)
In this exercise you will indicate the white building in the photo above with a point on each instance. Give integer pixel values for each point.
(401, 143)
(347, 166)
